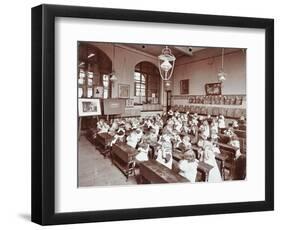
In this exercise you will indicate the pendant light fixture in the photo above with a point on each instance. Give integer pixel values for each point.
(166, 63)
(222, 75)
(113, 77)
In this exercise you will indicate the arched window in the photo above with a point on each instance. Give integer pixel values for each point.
(94, 67)
(146, 83)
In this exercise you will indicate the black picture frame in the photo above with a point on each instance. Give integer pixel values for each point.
(43, 114)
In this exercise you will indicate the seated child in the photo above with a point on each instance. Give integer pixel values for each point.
(170, 113)
(209, 158)
(242, 120)
(114, 127)
(177, 113)
(188, 166)
(133, 139)
(202, 141)
(232, 136)
(195, 132)
(221, 122)
(214, 133)
(164, 152)
(128, 126)
(205, 129)
(178, 125)
(102, 126)
(235, 124)
(186, 142)
(184, 117)
(153, 137)
(176, 141)
(118, 137)
(139, 133)
(142, 154)
(185, 129)
(135, 123)
(240, 162)
(216, 148)
(157, 126)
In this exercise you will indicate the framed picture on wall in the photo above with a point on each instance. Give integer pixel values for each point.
(98, 91)
(130, 102)
(123, 91)
(89, 107)
(213, 89)
(57, 150)
(184, 86)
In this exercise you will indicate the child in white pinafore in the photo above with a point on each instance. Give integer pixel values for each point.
(188, 166)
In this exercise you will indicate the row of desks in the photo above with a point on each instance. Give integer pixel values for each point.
(123, 155)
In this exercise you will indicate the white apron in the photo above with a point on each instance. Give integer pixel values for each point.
(214, 174)
(161, 158)
(188, 170)
(142, 154)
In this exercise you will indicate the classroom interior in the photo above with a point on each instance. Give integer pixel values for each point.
(163, 114)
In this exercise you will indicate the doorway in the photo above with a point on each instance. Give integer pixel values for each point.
(168, 100)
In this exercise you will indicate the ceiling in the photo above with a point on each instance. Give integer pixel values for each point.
(156, 50)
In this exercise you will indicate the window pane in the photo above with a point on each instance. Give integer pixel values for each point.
(80, 92)
(147, 82)
(90, 92)
(105, 79)
(137, 76)
(143, 78)
(105, 93)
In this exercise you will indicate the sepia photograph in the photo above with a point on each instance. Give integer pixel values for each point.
(169, 114)
(146, 114)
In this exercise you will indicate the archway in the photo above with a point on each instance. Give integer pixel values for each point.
(93, 68)
(147, 83)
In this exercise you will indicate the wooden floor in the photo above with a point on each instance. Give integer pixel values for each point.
(95, 170)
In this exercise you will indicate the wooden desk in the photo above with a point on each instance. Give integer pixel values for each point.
(243, 127)
(204, 168)
(123, 156)
(223, 138)
(91, 136)
(103, 141)
(240, 133)
(226, 148)
(153, 172)
(243, 145)
(229, 151)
